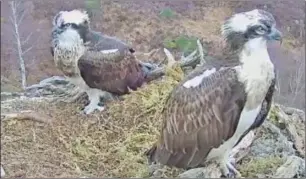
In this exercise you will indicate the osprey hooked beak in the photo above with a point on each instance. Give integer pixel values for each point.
(275, 34)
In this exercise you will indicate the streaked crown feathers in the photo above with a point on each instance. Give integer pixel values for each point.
(241, 21)
(76, 16)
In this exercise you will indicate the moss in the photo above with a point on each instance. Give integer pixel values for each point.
(260, 166)
(273, 117)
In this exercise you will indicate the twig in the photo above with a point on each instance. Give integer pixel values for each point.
(171, 60)
(160, 71)
(200, 48)
(26, 115)
(185, 60)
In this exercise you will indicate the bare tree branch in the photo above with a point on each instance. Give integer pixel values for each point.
(296, 84)
(278, 86)
(27, 39)
(16, 19)
(28, 49)
(11, 20)
(21, 18)
(17, 4)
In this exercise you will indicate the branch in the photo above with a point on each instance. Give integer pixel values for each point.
(27, 50)
(27, 39)
(184, 62)
(171, 60)
(26, 115)
(21, 18)
(200, 47)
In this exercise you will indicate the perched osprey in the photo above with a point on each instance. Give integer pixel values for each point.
(92, 61)
(216, 105)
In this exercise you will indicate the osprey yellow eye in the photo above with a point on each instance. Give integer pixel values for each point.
(260, 30)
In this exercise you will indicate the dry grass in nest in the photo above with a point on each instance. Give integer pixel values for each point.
(108, 144)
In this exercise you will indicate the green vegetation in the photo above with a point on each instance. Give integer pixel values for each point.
(182, 43)
(167, 13)
(92, 6)
(264, 166)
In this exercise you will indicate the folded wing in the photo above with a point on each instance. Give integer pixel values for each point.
(199, 118)
(110, 66)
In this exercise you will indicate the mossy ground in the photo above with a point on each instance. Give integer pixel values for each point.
(252, 168)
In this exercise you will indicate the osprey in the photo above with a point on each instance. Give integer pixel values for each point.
(94, 62)
(216, 105)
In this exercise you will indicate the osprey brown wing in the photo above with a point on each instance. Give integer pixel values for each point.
(199, 119)
(114, 72)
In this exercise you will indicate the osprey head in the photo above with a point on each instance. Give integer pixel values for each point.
(74, 21)
(249, 25)
(64, 19)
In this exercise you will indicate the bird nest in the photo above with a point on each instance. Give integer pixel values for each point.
(61, 142)
(107, 144)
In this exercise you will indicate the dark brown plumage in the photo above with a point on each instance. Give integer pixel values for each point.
(113, 72)
(185, 142)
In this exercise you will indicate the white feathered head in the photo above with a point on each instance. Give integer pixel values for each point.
(76, 16)
(245, 26)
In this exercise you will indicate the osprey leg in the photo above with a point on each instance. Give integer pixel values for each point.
(94, 100)
(227, 168)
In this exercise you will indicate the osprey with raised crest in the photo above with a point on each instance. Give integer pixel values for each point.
(93, 61)
(216, 105)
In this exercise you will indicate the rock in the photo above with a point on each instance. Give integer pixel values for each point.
(193, 173)
(210, 171)
(55, 86)
(272, 142)
(54, 80)
(299, 114)
(293, 122)
(294, 167)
